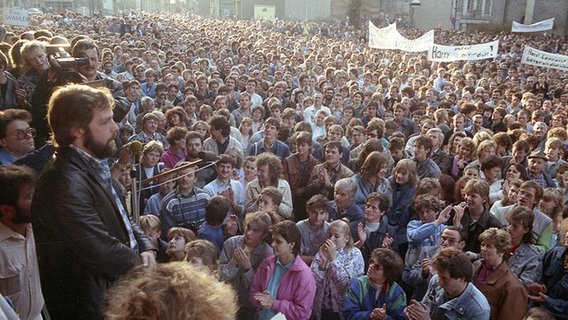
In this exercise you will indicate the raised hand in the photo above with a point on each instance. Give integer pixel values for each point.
(459, 211)
(242, 256)
(417, 311)
(361, 233)
(331, 249)
(232, 225)
(444, 215)
(324, 254)
(387, 241)
(426, 267)
(229, 194)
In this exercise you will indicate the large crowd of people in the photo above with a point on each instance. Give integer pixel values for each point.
(296, 169)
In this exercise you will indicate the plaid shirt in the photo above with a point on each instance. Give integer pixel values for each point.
(102, 167)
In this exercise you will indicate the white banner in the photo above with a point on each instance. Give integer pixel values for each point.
(382, 38)
(389, 38)
(472, 52)
(16, 17)
(535, 27)
(544, 59)
(418, 45)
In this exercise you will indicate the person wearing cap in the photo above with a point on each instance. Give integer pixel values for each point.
(536, 170)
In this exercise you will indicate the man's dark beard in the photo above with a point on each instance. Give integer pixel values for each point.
(20, 217)
(100, 151)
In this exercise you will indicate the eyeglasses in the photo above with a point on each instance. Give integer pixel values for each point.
(22, 134)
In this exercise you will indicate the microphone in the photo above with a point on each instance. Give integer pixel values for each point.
(135, 147)
(207, 156)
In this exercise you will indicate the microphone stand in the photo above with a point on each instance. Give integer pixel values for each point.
(135, 197)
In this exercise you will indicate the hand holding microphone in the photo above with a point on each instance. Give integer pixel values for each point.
(134, 146)
(124, 162)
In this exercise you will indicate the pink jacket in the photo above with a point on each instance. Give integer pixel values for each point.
(297, 289)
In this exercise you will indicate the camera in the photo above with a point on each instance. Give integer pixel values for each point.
(65, 64)
(60, 58)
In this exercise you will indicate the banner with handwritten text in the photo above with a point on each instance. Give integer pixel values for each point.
(471, 52)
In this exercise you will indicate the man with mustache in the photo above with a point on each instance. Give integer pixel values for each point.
(84, 237)
(19, 276)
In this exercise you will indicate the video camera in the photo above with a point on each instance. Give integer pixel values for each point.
(64, 63)
(60, 58)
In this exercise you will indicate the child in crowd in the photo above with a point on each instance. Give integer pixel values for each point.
(202, 254)
(336, 263)
(269, 199)
(152, 227)
(178, 237)
(154, 204)
(215, 213)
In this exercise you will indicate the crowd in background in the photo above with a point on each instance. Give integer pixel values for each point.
(336, 181)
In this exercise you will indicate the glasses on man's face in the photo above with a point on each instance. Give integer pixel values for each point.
(22, 134)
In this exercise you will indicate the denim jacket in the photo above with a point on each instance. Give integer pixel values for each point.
(556, 281)
(471, 304)
(526, 263)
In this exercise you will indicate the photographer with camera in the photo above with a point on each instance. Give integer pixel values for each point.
(90, 70)
(82, 66)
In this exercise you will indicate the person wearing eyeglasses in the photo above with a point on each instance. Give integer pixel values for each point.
(16, 136)
(419, 274)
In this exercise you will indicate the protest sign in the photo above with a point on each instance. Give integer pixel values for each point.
(471, 52)
(389, 38)
(16, 17)
(535, 27)
(544, 59)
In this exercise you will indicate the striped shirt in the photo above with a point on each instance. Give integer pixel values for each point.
(183, 211)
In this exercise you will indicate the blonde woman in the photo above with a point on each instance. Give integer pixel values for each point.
(334, 266)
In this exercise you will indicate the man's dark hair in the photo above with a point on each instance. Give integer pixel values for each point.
(334, 144)
(491, 161)
(12, 179)
(9, 115)
(425, 142)
(221, 123)
(455, 262)
(216, 210)
(384, 201)
(226, 159)
(82, 45)
(193, 135)
(391, 263)
(160, 86)
(317, 202)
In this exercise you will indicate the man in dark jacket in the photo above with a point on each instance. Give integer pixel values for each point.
(84, 237)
